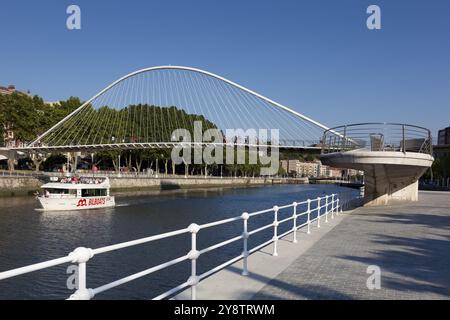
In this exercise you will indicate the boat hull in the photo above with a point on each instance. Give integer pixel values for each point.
(67, 204)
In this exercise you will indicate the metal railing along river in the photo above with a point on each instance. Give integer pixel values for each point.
(325, 207)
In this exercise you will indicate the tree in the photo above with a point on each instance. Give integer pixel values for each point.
(29, 116)
(441, 167)
(109, 155)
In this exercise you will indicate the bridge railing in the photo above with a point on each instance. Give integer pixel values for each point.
(378, 137)
(315, 210)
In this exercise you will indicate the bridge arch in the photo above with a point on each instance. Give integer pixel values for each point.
(178, 83)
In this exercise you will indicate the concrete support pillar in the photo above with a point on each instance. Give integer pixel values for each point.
(384, 185)
(11, 162)
(11, 157)
(388, 176)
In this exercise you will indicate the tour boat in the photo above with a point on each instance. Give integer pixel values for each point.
(75, 193)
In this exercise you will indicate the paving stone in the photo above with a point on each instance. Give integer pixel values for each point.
(409, 242)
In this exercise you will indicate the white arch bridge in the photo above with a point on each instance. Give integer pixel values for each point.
(143, 108)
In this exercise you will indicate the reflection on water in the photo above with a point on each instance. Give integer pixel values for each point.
(28, 236)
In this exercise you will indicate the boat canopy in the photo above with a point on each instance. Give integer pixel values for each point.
(103, 183)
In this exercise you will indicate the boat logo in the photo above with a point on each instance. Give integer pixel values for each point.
(92, 202)
(82, 203)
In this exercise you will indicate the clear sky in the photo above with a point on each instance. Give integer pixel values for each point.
(317, 57)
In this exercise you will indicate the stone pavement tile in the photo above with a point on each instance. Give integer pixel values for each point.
(409, 242)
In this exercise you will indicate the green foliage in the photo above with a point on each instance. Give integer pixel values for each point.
(30, 116)
(310, 157)
(441, 167)
(133, 124)
(299, 155)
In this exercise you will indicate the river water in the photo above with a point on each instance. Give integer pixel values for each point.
(28, 236)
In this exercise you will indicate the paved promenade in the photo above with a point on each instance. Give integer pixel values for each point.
(409, 242)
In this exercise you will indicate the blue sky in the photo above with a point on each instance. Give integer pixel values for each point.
(317, 57)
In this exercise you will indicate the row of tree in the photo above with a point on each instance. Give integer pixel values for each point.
(156, 160)
(140, 123)
(29, 116)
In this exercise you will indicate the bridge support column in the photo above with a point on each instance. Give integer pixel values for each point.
(388, 176)
(12, 159)
(384, 185)
(11, 156)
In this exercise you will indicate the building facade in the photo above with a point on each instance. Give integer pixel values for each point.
(9, 138)
(444, 136)
(311, 169)
(442, 149)
(12, 89)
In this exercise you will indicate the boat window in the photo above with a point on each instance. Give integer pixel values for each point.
(57, 191)
(93, 192)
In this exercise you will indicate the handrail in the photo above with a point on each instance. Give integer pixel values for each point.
(324, 206)
(378, 136)
(377, 123)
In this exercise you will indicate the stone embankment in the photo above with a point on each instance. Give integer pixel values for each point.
(27, 185)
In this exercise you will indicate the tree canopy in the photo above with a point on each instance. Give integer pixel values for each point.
(30, 116)
(140, 123)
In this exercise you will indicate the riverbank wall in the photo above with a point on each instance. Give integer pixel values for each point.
(18, 186)
(15, 186)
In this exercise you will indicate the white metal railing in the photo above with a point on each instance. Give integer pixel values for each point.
(327, 206)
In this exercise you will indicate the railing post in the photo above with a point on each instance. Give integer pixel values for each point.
(309, 215)
(294, 228)
(326, 209)
(430, 143)
(344, 141)
(245, 235)
(332, 206)
(318, 212)
(81, 256)
(193, 255)
(403, 138)
(275, 231)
